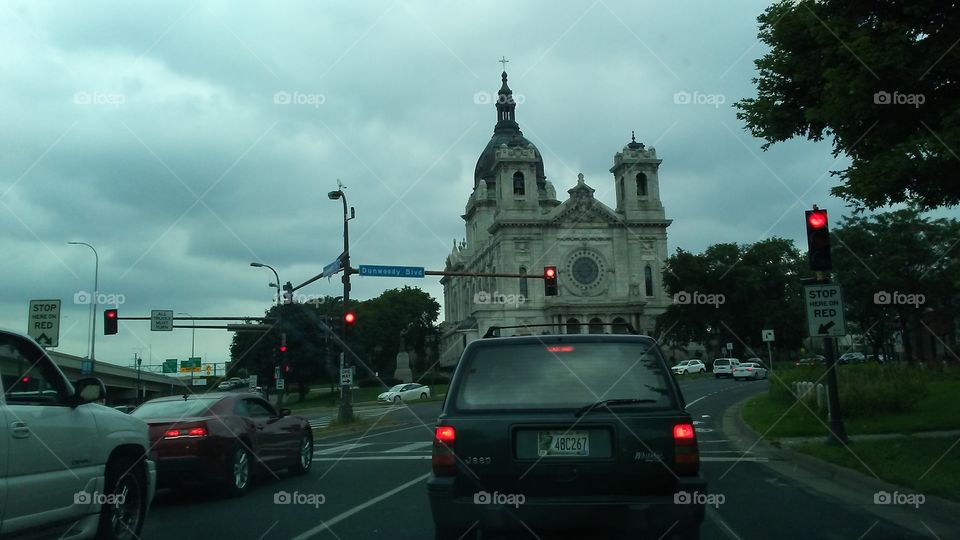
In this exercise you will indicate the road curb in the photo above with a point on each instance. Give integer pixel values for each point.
(841, 482)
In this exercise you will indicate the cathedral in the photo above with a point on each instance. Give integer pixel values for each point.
(609, 260)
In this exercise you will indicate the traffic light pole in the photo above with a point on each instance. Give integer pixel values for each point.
(345, 413)
(838, 434)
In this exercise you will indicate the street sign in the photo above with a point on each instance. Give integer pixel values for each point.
(768, 335)
(169, 365)
(43, 322)
(824, 310)
(86, 367)
(391, 271)
(190, 364)
(346, 377)
(279, 384)
(729, 346)
(199, 382)
(161, 320)
(208, 368)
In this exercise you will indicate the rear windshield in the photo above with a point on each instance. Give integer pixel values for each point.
(548, 376)
(719, 362)
(174, 409)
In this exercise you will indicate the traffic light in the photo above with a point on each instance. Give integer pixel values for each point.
(283, 343)
(349, 318)
(287, 293)
(549, 280)
(286, 368)
(109, 322)
(818, 240)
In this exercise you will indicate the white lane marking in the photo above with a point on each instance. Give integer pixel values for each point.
(409, 447)
(382, 457)
(728, 459)
(698, 399)
(701, 441)
(713, 515)
(341, 448)
(325, 525)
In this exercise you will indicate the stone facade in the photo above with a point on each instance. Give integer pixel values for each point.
(609, 260)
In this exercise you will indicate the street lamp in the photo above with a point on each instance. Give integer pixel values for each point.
(346, 395)
(193, 342)
(276, 284)
(93, 300)
(139, 385)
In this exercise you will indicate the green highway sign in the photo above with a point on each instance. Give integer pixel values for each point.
(170, 365)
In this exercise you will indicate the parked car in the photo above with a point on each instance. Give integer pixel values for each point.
(879, 358)
(852, 358)
(223, 439)
(723, 367)
(405, 392)
(689, 366)
(71, 468)
(811, 361)
(522, 418)
(749, 370)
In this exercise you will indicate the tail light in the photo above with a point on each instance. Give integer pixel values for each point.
(193, 432)
(444, 459)
(686, 456)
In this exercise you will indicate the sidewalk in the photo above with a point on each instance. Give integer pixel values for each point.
(848, 485)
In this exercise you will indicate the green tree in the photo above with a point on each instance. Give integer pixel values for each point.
(880, 79)
(884, 261)
(729, 293)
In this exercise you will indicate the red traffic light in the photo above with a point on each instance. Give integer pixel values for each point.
(549, 272)
(349, 317)
(110, 322)
(550, 281)
(817, 219)
(283, 348)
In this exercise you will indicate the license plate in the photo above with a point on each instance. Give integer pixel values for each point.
(563, 443)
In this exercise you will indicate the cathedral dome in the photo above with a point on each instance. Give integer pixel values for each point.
(507, 132)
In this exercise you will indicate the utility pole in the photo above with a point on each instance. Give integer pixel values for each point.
(345, 414)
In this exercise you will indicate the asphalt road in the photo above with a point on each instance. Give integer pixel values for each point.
(372, 486)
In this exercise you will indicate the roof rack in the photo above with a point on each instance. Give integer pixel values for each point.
(494, 331)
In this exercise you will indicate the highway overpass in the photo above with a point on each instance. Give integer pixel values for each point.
(121, 382)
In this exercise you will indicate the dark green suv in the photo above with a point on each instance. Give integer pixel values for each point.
(564, 433)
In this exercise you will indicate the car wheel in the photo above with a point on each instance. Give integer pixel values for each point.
(423, 395)
(126, 484)
(304, 456)
(396, 399)
(237, 475)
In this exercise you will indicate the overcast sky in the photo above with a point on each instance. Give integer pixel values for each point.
(186, 139)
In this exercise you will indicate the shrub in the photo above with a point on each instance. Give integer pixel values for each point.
(432, 378)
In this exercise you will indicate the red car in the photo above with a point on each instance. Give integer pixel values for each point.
(224, 438)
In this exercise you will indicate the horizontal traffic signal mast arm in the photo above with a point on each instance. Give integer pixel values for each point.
(481, 274)
(199, 319)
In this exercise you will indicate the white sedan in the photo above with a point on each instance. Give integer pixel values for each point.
(749, 370)
(405, 392)
(689, 366)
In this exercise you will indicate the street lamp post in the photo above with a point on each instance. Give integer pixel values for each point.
(346, 395)
(279, 311)
(93, 302)
(139, 385)
(274, 284)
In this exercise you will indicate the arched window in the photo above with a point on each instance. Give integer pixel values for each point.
(518, 185)
(596, 326)
(648, 280)
(573, 326)
(619, 326)
(523, 282)
(642, 185)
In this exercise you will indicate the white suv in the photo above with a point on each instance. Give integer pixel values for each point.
(723, 367)
(689, 366)
(69, 467)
